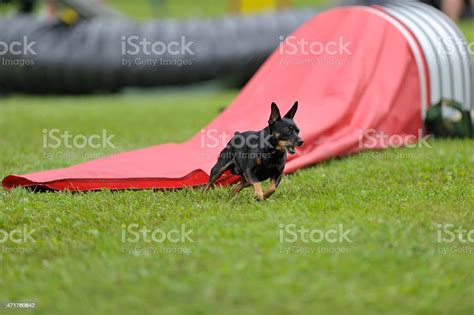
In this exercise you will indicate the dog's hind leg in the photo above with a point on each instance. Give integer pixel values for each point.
(241, 185)
(221, 166)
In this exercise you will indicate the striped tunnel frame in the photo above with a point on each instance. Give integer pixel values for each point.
(448, 58)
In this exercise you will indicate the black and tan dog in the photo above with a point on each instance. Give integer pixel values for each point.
(259, 155)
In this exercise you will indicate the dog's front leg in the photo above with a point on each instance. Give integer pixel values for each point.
(257, 185)
(258, 191)
(274, 182)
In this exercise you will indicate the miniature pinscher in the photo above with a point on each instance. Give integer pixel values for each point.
(259, 155)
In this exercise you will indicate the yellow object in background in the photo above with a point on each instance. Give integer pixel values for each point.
(256, 5)
(250, 6)
(69, 16)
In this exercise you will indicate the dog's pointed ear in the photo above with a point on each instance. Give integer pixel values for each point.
(291, 113)
(275, 115)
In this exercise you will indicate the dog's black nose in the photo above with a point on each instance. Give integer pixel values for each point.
(299, 143)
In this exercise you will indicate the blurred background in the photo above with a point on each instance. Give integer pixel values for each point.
(155, 9)
(91, 46)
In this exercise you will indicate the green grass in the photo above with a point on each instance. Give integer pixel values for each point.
(187, 8)
(390, 202)
(467, 26)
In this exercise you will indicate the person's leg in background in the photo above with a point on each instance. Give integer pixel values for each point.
(27, 6)
(453, 8)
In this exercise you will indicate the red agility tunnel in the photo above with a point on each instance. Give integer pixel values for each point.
(362, 75)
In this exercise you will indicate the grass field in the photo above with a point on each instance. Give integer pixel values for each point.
(391, 201)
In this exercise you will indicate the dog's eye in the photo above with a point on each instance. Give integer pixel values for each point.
(289, 131)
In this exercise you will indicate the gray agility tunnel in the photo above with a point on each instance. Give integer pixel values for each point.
(93, 55)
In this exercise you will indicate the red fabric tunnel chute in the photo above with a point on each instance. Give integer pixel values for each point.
(365, 72)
